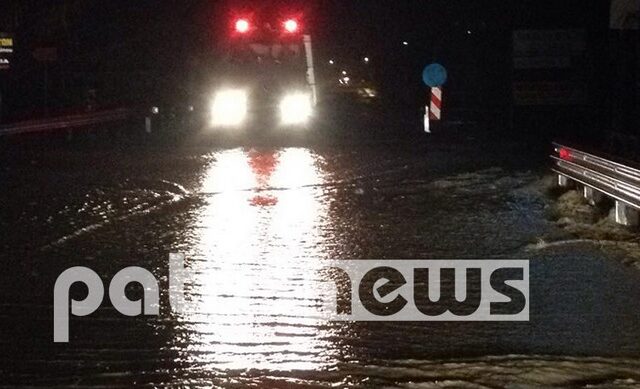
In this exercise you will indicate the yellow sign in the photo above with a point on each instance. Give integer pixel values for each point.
(6, 42)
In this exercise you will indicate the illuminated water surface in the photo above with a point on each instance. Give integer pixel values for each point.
(257, 244)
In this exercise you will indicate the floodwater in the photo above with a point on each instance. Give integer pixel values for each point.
(256, 223)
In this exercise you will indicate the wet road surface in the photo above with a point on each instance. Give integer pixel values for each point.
(255, 223)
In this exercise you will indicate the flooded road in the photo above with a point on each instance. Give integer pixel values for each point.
(255, 224)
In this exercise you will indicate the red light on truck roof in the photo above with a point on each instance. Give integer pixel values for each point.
(291, 26)
(242, 26)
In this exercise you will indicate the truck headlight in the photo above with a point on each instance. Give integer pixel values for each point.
(296, 108)
(229, 108)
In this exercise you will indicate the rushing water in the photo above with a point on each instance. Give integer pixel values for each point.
(256, 224)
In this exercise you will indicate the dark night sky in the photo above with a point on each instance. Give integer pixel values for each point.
(167, 26)
(337, 22)
(160, 38)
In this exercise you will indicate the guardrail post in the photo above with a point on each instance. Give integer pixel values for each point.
(563, 181)
(592, 196)
(626, 215)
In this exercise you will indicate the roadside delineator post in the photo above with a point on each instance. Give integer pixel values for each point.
(427, 127)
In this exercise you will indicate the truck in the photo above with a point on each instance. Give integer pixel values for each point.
(263, 78)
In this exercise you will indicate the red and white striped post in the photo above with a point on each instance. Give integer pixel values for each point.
(435, 108)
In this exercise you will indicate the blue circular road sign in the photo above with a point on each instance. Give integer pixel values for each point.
(434, 75)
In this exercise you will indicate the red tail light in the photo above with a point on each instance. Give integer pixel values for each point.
(564, 154)
(291, 26)
(242, 26)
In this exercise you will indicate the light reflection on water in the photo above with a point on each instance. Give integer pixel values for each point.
(257, 244)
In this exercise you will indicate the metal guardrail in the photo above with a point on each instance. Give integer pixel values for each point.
(65, 122)
(613, 179)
